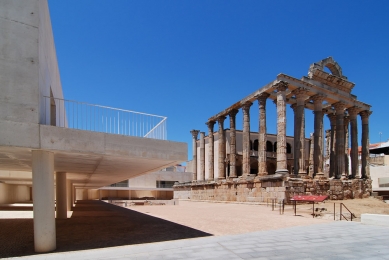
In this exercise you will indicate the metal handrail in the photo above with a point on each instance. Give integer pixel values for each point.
(84, 116)
(341, 214)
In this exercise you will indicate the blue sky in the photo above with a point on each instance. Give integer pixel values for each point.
(188, 60)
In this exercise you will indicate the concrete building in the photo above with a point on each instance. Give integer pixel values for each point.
(44, 145)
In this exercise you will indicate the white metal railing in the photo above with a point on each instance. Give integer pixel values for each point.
(84, 116)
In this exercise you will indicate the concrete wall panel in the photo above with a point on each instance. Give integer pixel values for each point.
(14, 193)
(19, 134)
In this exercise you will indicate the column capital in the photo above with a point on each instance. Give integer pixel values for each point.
(246, 106)
(339, 107)
(300, 93)
(195, 133)
(262, 97)
(210, 125)
(353, 111)
(365, 114)
(281, 86)
(221, 119)
(318, 98)
(233, 112)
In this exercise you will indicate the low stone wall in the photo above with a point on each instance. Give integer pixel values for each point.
(257, 190)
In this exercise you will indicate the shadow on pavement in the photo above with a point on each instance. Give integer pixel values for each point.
(94, 224)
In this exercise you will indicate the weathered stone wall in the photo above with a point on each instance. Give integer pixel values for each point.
(335, 189)
(262, 191)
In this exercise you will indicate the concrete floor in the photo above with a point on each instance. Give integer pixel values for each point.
(94, 224)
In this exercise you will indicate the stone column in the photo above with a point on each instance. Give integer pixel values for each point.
(232, 115)
(246, 138)
(202, 157)
(326, 168)
(43, 200)
(222, 149)
(282, 166)
(61, 198)
(318, 134)
(262, 136)
(310, 171)
(333, 161)
(194, 133)
(353, 112)
(301, 95)
(346, 146)
(296, 141)
(210, 125)
(340, 167)
(365, 157)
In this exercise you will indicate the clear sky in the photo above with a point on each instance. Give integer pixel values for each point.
(189, 60)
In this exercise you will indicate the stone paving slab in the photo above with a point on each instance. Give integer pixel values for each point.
(335, 240)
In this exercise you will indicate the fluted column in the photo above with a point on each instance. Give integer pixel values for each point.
(353, 112)
(210, 125)
(296, 141)
(262, 137)
(346, 146)
(365, 170)
(333, 161)
(202, 157)
(194, 133)
(339, 108)
(222, 149)
(246, 138)
(282, 166)
(232, 115)
(301, 95)
(318, 134)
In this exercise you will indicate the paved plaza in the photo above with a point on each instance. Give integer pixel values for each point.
(194, 230)
(335, 240)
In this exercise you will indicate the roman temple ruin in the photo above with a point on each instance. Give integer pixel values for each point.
(234, 165)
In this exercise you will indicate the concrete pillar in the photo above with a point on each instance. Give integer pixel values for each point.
(318, 135)
(353, 112)
(210, 125)
(222, 149)
(365, 170)
(282, 166)
(262, 138)
(68, 195)
(194, 151)
(246, 138)
(202, 156)
(332, 118)
(346, 146)
(232, 115)
(43, 201)
(61, 198)
(340, 167)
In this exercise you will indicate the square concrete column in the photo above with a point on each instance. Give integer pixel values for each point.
(365, 170)
(353, 112)
(282, 166)
(340, 167)
(210, 125)
(222, 149)
(232, 115)
(61, 198)
(195, 134)
(246, 138)
(333, 161)
(318, 135)
(202, 156)
(262, 136)
(43, 201)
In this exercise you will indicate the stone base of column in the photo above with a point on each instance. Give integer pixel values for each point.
(282, 171)
(320, 176)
